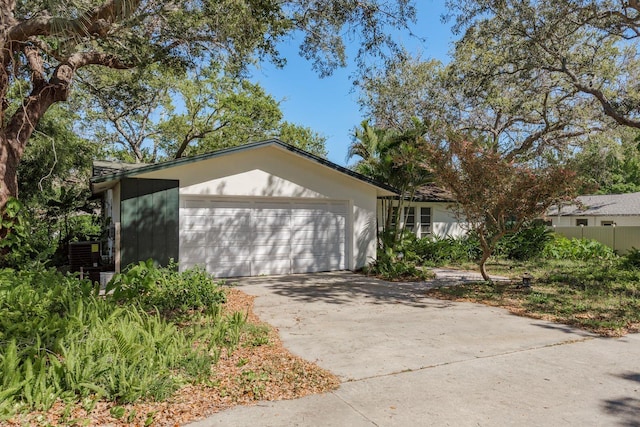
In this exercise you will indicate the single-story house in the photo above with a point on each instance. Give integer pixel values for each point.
(598, 210)
(260, 208)
(428, 212)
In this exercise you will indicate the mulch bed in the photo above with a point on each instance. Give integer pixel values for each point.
(248, 375)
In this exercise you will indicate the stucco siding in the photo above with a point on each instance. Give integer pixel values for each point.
(443, 219)
(271, 172)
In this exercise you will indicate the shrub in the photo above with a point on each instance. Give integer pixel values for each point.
(527, 243)
(631, 259)
(23, 246)
(60, 340)
(576, 249)
(165, 288)
(392, 265)
(438, 250)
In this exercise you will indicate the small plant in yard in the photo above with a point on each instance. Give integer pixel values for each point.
(436, 250)
(392, 265)
(397, 259)
(632, 259)
(527, 243)
(166, 289)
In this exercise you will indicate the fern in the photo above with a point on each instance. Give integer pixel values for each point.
(58, 340)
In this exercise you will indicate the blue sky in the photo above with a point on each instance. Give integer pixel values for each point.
(328, 106)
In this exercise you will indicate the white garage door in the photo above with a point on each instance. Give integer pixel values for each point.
(250, 238)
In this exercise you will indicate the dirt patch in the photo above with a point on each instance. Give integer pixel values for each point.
(256, 371)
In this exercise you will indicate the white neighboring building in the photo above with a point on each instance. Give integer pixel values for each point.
(598, 210)
(431, 213)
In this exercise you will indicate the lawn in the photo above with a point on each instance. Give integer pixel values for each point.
(599, 295)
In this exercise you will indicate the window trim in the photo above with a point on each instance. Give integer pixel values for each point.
(409, 212)
(422, 232)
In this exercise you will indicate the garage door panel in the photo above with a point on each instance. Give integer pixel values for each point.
(235, 204)
(270, 237)
(193, 238)
(227, 253)
(232, 213)
(192, 255)
(268, 267)
(278, 211)
(228, 269)
(233, 234)
(229, 222)
(195, 223)
(318, 223)
(271, 221)
(305, 250)
(241, 238)
(310, 265)
(313, 235)
(196, 211)
(272, 250)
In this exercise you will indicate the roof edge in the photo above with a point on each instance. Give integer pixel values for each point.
(226, 151)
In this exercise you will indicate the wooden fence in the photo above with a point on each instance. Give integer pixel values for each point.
(621, 239)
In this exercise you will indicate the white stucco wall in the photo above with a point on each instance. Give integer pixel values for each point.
(274, 172)
(443, 220)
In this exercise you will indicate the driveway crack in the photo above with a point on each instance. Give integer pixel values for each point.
(455, 362)
(373, 423)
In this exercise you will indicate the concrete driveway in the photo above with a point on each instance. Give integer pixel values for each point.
(407, 360)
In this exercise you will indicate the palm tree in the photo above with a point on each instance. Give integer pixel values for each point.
(394, 158)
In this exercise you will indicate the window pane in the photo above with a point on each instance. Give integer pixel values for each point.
(410, 218)
(425, 222)
(582, 221)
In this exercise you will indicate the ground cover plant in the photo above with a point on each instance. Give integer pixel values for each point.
(160, 341)
(576, 282)
(397, 258)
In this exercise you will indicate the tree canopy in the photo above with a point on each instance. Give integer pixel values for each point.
(46, 43)
(581, 48)
(494, 194)
(156, 114)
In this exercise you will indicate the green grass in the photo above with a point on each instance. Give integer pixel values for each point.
(601, 296)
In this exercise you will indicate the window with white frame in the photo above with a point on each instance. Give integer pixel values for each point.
(582, 222)
(410, 218)
(425, 221)
(394, 215)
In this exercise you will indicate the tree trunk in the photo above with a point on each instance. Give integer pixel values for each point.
(482, 264)
(487, 250)
(9, 160)
(15, 135)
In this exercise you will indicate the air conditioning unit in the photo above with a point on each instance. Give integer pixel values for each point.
(85, 258)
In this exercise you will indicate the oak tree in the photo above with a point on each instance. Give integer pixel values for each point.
(583, 48)
(44, 44)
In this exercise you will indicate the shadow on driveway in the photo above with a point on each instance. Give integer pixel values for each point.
(346, 288)
(626, 409)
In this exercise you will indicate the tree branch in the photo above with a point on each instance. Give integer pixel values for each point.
(96, 22)
(607, 107)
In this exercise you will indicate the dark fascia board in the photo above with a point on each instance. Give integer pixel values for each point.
(275, 142)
